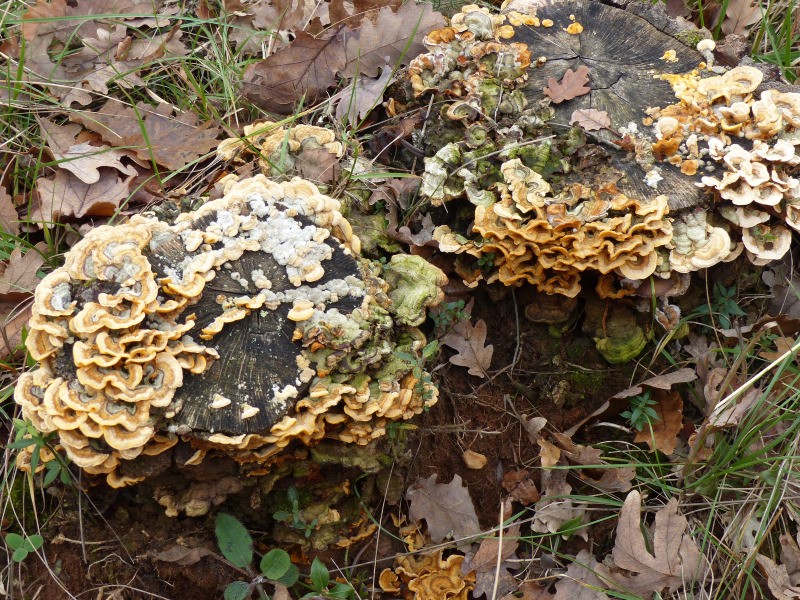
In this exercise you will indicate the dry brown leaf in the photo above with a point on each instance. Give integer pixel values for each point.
(584, 580)
(521, 487)
(604, 477)
(469, 341)
(533, 427)
(590, 119)
(310, 65)
(446, 508)
(390, 37)
(18, 276)
(96, 63)
(474, 460)
(554, 509)
(740, 15)
(301, 71)
(575, 453)
(318, 165)
(778, 580)
(531, 590)
(613, 479)
(660, 382)
(423, 237)
(790, 557)
(493, 578)
(572, 85)
(13, 317)
(549, 453)
(9, 219)
(181, 555)
(171, 141)
(485, 559)
(664, 434)
(396, 191)
(82, 159)
(363, 94)
(67, 196)
(675, 559)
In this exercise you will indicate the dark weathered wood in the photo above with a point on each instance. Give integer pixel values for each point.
(257, 353)
(623, 52)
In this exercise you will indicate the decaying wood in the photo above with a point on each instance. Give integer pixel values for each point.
(624, 53)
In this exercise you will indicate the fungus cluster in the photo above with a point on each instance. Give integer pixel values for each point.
(517, 227)
(469, 63)
(742, 143)
(428, 577)
(533, 235)
(248, 324)
(278, 147)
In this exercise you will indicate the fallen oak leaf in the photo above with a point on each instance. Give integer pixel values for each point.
(572, 85)
(318, 165)
(446, 507)
(660, 382)
(590, 119)
(18, 276)
(740, 15)
(521, 487)
(82, 159)
(469, 341)
(390, 37)
(302, 70)
(13, 317)
(485, 558)
(675, 558)
(181, 555)
(310, 65)
(663, 434)
(151, 133)
(67, 196)
(362, 95)
(584, 580)
(9, 219)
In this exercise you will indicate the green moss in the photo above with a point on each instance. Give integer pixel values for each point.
(585, 382)
(690, 37)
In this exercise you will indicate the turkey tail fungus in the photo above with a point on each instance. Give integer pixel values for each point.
(249, 325)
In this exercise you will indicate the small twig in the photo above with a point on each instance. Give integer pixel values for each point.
(499, 552)
(80, 517)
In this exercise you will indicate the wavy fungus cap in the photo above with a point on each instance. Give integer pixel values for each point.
(250, 323)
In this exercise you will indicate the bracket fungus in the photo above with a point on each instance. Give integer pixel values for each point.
(249, 324)
(281, 150)
(690, 165)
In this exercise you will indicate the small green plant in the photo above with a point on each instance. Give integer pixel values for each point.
(449, 314)
(423, 378)
(27, 435)
(723, 307)
(21, 546)
(275, 567)
(294, 517)
(641, 411)
(320, 584)
(236, 546)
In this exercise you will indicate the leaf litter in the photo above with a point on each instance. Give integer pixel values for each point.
(93, 176)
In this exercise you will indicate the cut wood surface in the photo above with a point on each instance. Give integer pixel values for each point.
(624, 53)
